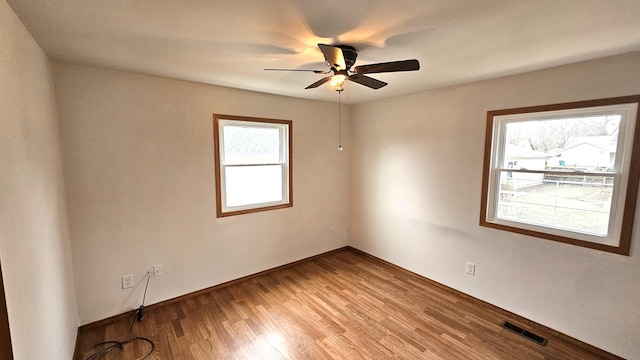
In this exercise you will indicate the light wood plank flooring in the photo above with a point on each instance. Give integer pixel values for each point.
(342, 305)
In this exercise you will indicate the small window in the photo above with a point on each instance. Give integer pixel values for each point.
(565, 172)
(253, 164)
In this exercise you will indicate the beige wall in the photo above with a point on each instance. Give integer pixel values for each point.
(34, 238)
(138, 160)
(416, 170)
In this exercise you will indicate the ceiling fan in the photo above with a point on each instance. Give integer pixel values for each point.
(340, 59)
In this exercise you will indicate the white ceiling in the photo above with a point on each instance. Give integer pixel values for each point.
(230, 42)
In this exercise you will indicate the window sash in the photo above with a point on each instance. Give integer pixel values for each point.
(250, 205)
(282, 139)
(497, 195)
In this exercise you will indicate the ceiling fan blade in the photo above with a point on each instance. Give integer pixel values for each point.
(393, 66)
(315, 71)
(334, 57)
(367, 81)
(319, 82)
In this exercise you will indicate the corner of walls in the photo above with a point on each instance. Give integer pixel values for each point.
(34, 236)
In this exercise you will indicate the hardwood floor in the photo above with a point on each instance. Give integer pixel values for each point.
(343, 305)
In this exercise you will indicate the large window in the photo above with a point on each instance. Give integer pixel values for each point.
(253, 164)
(565, 172)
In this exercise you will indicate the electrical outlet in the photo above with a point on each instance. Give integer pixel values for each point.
(127, 281)
(157, 270)
(332, 231)
(471, 268)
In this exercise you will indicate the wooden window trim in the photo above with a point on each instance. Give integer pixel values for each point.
(624, 245)
(216, 145)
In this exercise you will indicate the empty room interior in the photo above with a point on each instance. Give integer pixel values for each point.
(289, 179)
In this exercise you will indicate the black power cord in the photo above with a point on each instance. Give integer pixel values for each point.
(118, 344)
(140, 311)
(139, 315)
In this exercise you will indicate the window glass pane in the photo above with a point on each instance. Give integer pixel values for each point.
(248, 185)
(251, 145)
(567, 202)
(583, 143)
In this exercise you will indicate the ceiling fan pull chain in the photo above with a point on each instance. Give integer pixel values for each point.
(339, 121)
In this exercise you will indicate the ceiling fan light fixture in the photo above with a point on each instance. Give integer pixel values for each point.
(337, 81)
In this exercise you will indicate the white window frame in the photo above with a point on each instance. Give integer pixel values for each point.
(285, 130)
(625, 173)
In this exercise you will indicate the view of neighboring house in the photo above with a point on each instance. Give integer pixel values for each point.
(586, 153)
